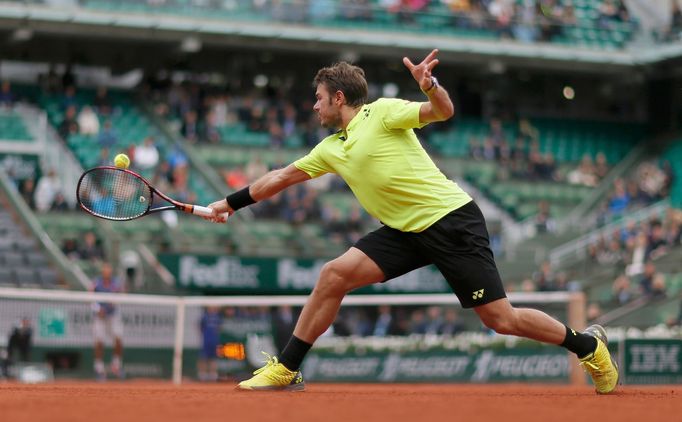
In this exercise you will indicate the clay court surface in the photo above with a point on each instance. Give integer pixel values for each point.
(153, 401)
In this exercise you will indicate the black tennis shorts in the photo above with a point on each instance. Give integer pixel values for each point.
(457, 245)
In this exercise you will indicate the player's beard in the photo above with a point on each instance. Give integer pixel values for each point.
(332, 122)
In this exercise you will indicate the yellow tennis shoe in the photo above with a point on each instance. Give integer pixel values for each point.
(599, 364)
(273, 377)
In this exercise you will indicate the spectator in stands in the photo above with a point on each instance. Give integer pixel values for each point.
(608, 12)
(146, 155)
(619, 199)
(418, 322)
(27, 191)
(211, 133)
(524, 27)
(108, 138)
(544, 278)
(190, 127)
(104, 157)
(613, 255)
(71, 249)
(276, 135)
(636, 260)
(584, 174)
(235, 177)
(451, 325)
(385, 324)
(107, 322)
(91, 248)
(335, 226)
(475, 149)
(622, 290)
(102, 103)
(658, 288)
(68, 78)
(6, 95)
(46, 191)
(88, 122)
(601, 167)
(550, 14)
(289, 120)
(657, 244)
(69, 125)
(69, 98)
(434, 320)
(646, 282)
(59, 204)
(544, 223)
(502, 11)
(255, 168)
(209, 326)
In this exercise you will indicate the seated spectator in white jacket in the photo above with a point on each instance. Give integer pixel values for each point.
(88, 122)
(146, 155)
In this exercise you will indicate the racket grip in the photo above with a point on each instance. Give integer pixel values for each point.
(205, 211)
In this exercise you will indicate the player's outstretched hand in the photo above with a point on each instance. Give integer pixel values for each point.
(220, 211)
(422, 72)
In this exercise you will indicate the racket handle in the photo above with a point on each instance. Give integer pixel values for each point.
(205, 211)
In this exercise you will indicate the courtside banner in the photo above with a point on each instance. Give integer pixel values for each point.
(653, 361)
(241, 275)
(513, 365)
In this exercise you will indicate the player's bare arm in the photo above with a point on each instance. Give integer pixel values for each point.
(266, 186)
(439, 107)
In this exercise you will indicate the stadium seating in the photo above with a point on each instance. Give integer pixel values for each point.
(21, 260)
(12, 128)
(436, 18)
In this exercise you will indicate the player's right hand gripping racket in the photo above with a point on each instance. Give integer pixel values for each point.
(119, 194)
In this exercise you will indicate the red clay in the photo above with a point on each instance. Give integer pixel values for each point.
(155, 401)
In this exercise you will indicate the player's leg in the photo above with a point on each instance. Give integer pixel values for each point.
(459, 247)
(116, 327)
(352, 270)
(383, 254)
(98, 331)
(501, 317)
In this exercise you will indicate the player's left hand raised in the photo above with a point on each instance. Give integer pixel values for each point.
(422, 72)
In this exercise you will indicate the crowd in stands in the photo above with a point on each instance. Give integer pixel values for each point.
(526, 21)
(522, 159)
(88, 248)
(633, 251)
(650, 183)
(202, 112)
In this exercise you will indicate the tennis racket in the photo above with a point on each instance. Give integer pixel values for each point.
(119, 194)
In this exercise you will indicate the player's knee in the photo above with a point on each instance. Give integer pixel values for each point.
(333, 280)
(500, 323)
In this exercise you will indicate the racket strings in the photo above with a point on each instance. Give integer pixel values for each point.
(114, 194)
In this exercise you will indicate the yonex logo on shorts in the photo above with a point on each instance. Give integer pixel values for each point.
(478, 294)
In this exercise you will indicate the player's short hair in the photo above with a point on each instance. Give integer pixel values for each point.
(346, 78)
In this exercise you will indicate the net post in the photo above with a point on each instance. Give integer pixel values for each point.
(178, 343)
(577, 320)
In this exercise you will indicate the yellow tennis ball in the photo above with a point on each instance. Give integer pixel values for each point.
(122, 161)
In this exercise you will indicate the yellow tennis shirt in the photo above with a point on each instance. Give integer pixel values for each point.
(390, 173)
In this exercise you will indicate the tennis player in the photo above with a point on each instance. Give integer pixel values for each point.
(107, 322)
(427, 219)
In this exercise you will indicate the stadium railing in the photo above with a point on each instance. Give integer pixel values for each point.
(577, 249)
